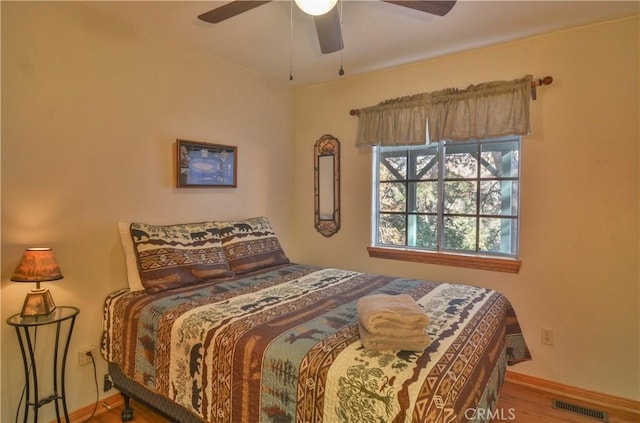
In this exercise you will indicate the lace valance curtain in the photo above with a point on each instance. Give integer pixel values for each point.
(486, 110)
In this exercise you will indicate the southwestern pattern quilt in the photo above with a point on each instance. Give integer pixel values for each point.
(282, 345)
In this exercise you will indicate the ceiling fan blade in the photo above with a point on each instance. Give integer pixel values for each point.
(329, 31)
(229, 10)
(435, 7)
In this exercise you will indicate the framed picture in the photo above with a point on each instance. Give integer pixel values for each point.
(206, 165)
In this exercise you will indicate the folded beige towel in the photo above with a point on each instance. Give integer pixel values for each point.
(393, 343)
(392, 315)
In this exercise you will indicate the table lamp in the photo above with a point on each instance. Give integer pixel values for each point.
(37, 265)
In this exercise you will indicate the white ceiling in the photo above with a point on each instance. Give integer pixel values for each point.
(376, 35)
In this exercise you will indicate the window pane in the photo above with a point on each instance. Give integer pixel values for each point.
(498, 235)
(426, 196)
(391, 229)
(426, 163)
(499, 198)
(459, 233)
(460, 197)
(393, 197)
(460, 161)
(393, 165)
(500, 159)
(455, 196)
(423, 231)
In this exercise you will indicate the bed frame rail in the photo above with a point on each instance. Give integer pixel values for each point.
(163, 406)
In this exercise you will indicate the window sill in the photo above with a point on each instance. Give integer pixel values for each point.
(447, 259)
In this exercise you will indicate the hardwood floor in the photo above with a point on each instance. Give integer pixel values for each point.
(141, 414)
(530, 405)
(518, 403)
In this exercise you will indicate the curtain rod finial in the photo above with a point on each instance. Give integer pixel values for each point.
(547, 80)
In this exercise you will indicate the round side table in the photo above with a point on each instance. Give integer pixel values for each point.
(24, 326)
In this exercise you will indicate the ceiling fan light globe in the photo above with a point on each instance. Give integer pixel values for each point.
(316, 7)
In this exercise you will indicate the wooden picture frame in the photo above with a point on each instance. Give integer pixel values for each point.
(201, 164)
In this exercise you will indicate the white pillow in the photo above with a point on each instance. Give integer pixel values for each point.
(135, 283)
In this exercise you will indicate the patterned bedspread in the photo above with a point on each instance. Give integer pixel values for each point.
(282, 345)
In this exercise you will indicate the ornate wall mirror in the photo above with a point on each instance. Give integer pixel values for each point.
(327, 185)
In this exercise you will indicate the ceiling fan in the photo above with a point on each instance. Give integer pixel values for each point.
(327, 25)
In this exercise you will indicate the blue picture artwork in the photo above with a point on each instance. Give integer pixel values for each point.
(206, 165)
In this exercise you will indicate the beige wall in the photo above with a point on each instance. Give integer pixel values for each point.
(91, 109)
(579, 209)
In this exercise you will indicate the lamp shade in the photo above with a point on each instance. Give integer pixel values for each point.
(37, 265)
(316, 7)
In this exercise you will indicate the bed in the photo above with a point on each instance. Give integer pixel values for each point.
(255, 338)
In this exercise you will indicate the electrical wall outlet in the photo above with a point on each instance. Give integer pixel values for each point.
(83, 356)
(546, 336)
(108, 383)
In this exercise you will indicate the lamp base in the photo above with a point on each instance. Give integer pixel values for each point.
(38, 302)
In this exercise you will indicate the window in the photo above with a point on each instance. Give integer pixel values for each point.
(448, 197)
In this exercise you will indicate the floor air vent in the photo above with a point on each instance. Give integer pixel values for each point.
(580, 410)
